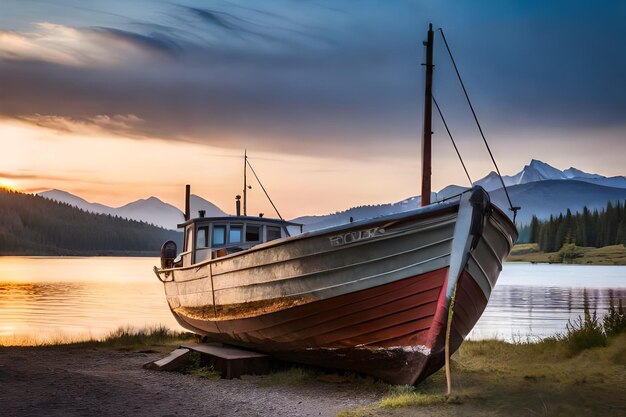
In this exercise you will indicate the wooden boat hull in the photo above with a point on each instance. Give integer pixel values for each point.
(370, 297)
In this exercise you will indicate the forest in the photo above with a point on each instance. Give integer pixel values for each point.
(587, 228)
(34, 225)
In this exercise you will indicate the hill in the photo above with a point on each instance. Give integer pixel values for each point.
(33, 225)
(150, 210)
(551, 197)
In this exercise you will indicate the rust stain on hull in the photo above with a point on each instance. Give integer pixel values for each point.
(242, 310)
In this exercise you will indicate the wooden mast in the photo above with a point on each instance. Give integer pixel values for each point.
(245, 185)
(428, 113)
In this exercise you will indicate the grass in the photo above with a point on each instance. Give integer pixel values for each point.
(289, 377)
(608, 255)
(196, 368)
(584, 332)
(125, 337)
(411, 399)
(294, 375)
(580, 372)
(494, 378)
(129, 337)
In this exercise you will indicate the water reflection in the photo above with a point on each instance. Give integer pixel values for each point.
(50, 298)
(544, 305)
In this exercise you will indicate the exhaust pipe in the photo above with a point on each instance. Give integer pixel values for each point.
(187, 196)
(238, 204)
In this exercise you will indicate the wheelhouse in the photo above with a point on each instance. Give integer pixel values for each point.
(212, 237)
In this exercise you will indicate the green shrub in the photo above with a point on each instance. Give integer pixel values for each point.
(615, 320)
(569, 252)
(585, 333)
(195, 367)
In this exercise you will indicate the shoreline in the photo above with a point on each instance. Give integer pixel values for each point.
(607, 255)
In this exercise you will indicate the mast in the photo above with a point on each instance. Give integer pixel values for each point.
(428, 113)
(245, 185)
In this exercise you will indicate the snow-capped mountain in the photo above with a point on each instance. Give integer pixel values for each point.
(150, 210)
(541, 171)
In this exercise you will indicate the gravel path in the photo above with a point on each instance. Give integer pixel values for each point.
(64, 381)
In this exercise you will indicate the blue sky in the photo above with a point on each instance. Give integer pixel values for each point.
(324, 78)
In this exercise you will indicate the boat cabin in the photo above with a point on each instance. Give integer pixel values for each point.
(213, 237)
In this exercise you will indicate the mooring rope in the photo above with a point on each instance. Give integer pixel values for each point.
(447, 345)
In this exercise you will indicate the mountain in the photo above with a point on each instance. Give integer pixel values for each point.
(73, 200)
(551, 197)
(539, 198)
(540, 171)
(150, 210)
(34, 225)
(153, 211)
(617, 182)
(572, 172)
(197, 203)
(539, 188)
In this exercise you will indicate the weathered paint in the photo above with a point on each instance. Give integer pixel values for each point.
(371, 296)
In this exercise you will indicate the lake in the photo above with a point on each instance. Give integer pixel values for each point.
(52, 298)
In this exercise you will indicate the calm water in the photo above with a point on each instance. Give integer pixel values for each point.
(49, 298)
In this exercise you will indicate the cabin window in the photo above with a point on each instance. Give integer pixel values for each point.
(235, 233)
(219, 235)
(202, 240)
(273, 232)
(253, 233)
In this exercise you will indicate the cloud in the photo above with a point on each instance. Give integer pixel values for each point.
(121, 124)
(32, 175)
(312, 77)
(270, 80)
(84, 47)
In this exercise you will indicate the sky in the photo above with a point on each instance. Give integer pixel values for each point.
(116, 100)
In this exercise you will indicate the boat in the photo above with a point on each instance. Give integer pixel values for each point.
(392, 297)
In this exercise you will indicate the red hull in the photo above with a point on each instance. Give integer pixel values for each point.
(395, 332)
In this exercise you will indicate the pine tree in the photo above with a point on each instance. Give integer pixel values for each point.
(534, 230)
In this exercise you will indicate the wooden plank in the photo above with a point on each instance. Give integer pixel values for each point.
(231, 362)
(224, 352)
(175, 360)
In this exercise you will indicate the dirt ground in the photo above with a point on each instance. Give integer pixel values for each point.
(490, 378)
(69, 381)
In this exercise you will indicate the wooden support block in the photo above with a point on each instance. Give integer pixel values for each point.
(231, 362)
(177, 359)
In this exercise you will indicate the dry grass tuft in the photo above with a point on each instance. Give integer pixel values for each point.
(411, 399)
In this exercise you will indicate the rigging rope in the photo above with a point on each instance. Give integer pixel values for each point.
(263, 188)
(452, 139)
(480, 129)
